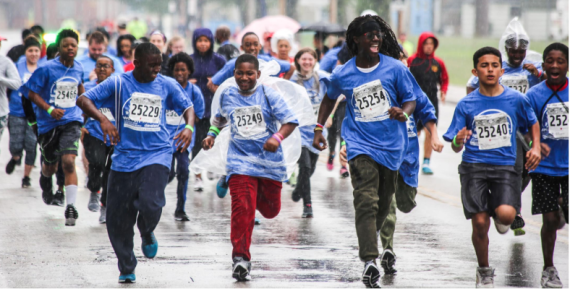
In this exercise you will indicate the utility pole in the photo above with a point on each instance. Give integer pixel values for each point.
(481, 17)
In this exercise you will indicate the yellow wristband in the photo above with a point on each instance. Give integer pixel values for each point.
(50, 109)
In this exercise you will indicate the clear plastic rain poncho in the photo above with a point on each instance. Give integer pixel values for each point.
(296, 98)
(516, 37)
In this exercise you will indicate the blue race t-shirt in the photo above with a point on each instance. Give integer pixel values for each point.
(516, 78)
(254, 119)
(553, 127)
(15, 105)
(493, 121)
(57, 85)
(367, 127)
(89, 65)
(145, 139)
(329, 60)
(424, 112)
(107, 108)
(316, 97)
(175, 122)
(228, 70)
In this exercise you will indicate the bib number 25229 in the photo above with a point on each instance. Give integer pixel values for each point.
(145, 108)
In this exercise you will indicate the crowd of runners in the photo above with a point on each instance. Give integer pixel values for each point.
(145, 109)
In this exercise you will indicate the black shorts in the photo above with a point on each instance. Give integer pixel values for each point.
(435, 103)
(485, 187)
(62, 140)
(545, 193)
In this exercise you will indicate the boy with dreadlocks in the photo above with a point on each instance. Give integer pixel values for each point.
(381, 95)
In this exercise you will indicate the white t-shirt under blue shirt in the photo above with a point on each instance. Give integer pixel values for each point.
(145, 139)
(367, 127)
(493, 121)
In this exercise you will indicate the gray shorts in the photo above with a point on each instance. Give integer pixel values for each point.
(22, 137)
(62, 140)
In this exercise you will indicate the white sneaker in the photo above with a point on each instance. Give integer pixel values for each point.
(502, 229)
(198, 185)
(485, 277)
(103, 217)
(550, 278)
(371, 275)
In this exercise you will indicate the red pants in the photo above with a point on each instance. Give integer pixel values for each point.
(249, 193)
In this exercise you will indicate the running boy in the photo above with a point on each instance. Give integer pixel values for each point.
(255, 164)
(485, 122)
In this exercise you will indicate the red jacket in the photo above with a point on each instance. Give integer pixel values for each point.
(429, 70)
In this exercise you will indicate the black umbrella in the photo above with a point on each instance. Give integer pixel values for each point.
(325, 28)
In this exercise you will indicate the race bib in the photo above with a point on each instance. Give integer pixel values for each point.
(557, 119)
(411, 125)
(172, 118)
(107, 113)
(371, 100)
(316, 108)
(493, 131)
(516, 82)
(145, 108)
(249, 120)
(65, 94)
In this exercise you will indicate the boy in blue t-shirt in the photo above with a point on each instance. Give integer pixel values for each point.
(98, 151)
(54, 88)
(485, 123)
(142, 153)
(255, 162)
(181, 67)
(549, 100)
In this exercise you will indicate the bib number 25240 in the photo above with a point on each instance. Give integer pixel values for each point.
(493, 131)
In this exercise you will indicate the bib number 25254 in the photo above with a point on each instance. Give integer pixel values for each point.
(371, 100)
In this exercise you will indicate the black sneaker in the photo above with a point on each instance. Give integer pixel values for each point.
(26, 182)
(11, 166)
(517, 223)
(240, 269)
(181, 216)
(371, 275)
(47, 196)
(307, 211)
(58, 198)
(388, 261)
(71, 215)
(296, 196)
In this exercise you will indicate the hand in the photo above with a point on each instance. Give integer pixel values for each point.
(57, 113)
(443, 95)
(531, 68)
(193, 80)
(329, 122)
(109, 130)
(533, 158)
(319, 141)
(271, 145)
(436, 144)
(92, 75)
(184, 139)
(208, 142)
(463, 135)
(397, 114)
(544, 150)
(84, 131)
(342, 156)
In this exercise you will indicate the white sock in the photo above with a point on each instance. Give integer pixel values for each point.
(71, 194)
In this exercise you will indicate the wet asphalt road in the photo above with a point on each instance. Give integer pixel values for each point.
(432, 243)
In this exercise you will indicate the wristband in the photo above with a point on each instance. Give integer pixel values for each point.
(211, 131)
(280, 136)
(332, 115)
(406, 115)
(318, 128)
(215, 129)
(32, 123)
(50, 109)
(343, 143)
(189, 127)
(320, 125)
(454, 143)
(212, 134)
(277, 138)
(530, 144)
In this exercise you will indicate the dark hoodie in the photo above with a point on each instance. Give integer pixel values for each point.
(205, 66)
(428, 70)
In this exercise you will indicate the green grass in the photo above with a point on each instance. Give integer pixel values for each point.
(457, 53)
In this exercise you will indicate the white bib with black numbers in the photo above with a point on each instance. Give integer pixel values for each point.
(493, 131)
(172, 118)
(411, 125)
(107, 113)
(249, 121)
(557, 119)
(370, 99)
(145, 108)
(65, 94)
(517, 82)
(316, 108)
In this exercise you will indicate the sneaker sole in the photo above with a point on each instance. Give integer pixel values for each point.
(128, 281)
(369, 280)
(388, 268)
(240, 274)
(70, 222)
(307, 216)
(94, 210)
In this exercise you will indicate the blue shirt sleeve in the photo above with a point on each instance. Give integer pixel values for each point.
(333, 89)
(102, 91)
(425, 111)
(473, 82)
(459, 122)
(198, 101)
(279, 109)
(37, 82)
(226, 72)
(408, 88)
(284, 65)
(177, 96)
(525, 114)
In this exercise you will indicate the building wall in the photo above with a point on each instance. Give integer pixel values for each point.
(421, 16)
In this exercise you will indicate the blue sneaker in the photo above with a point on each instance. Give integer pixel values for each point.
(426, 170)
(149, 246)
(257, 221)
(222, 187)
(128, 278)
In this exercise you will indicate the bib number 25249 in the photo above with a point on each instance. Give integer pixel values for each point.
(249, 120)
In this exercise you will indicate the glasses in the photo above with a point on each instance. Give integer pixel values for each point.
(105, 66)
(370, 35)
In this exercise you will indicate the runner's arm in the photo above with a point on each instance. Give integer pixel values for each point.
(185, 136)
(533, 156)
(327, 105)
(107, 127)
(330, 118)
(290, 72)
(40, 102)
(219, 123)
(436, 143)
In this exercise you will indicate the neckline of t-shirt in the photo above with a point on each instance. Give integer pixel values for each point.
(372, 69)
(496, 96)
